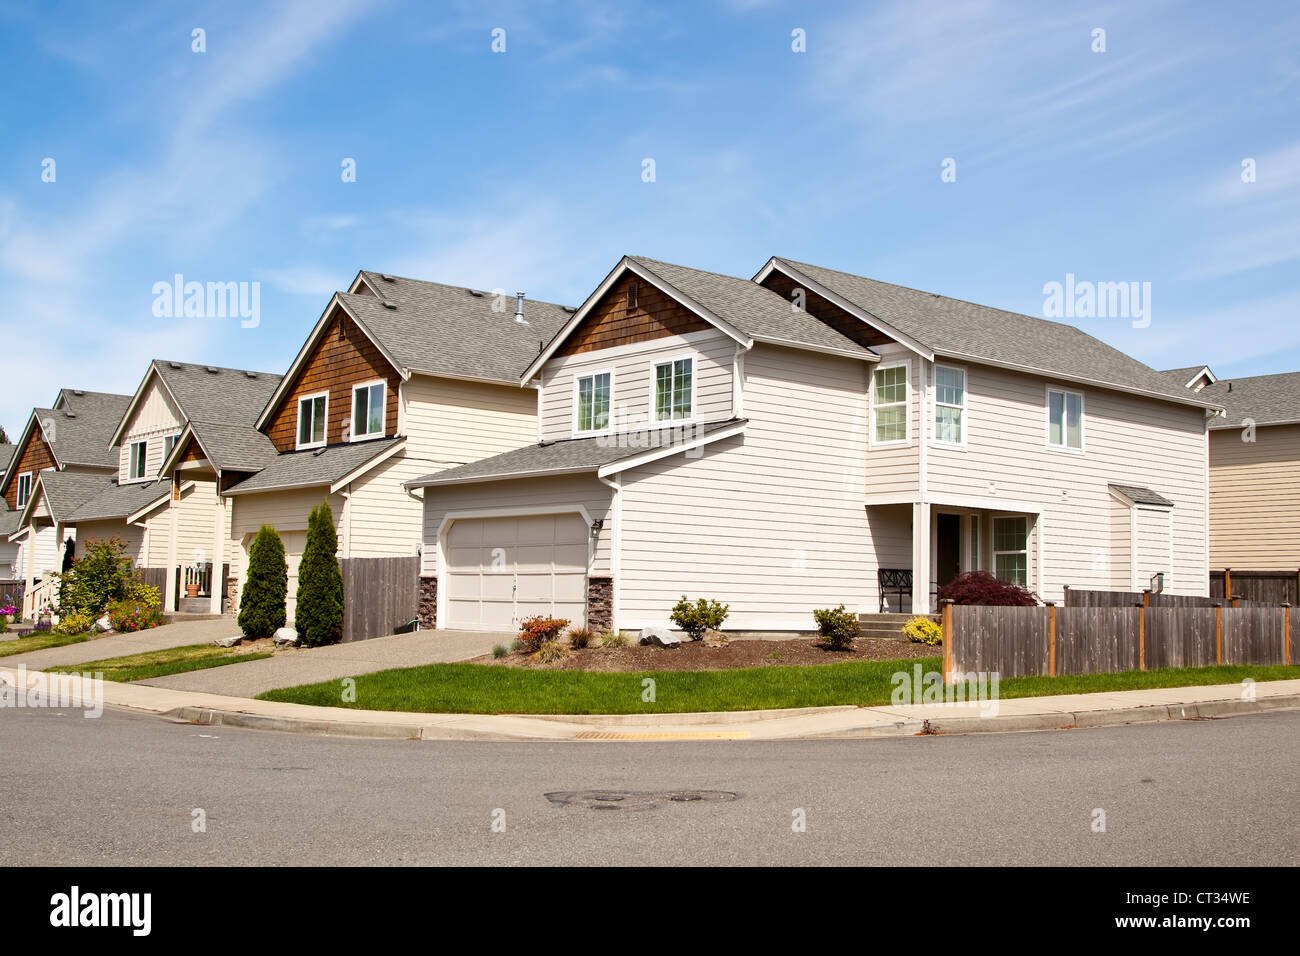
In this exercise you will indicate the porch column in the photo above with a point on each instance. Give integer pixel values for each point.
(169, 588)
(29, 552)
(218, 585)
(921, 558)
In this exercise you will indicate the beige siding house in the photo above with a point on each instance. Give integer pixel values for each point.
(778, 443)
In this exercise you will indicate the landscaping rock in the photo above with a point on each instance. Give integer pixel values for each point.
(103, 624)
(714, 638)
(660, 637)
(229, 641)
(286, 636)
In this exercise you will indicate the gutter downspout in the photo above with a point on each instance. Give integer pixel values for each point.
(615, 548)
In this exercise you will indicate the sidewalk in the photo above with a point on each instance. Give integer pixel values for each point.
(1028, 713)
(199, 631)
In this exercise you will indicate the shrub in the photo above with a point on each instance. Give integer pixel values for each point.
(581, 637)
(500, 651)
(261, 605)
(99, 577)
(922, 630)
(127, 616)
(699, 617)
(135, 590)
(838, 627)
(613, 639)
(538, 629)
(516, 645)
(74, 622)
(319, 615)
(548, 652)
(981, 587)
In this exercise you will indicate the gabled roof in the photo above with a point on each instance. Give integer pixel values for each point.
(1185, 377)
(120, 501)
(1264, 399)
(318, 466)
(8, 520)
(77, 432)
(6, 456)
(741, 308)
(963, 330)
(1139, 495)
(603, 455)
(205, 393)
(227, 447)
(65, 492)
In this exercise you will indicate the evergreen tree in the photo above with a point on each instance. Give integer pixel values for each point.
(261, 606)
(319, 618)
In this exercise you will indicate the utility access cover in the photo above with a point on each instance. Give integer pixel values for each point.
(635, 799)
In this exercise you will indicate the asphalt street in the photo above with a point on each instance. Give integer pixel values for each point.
(124, 789)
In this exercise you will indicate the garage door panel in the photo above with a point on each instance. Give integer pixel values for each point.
(571, 555)
(465, 534)
(535, 531)
(497, 587)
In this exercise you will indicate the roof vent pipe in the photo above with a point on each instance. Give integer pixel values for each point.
(519, 308)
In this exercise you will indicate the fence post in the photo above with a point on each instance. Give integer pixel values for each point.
(1234, 599)
(1227, 583)
(1146, 597)
(1218, 634)
(1051, 639)
(1286, 637)
(1142, 637)
(945, 616)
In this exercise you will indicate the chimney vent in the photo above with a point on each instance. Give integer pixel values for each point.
(389, 304)
(519, 308)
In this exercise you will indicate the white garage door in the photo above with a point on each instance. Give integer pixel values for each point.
(502, 570)
(294, 542)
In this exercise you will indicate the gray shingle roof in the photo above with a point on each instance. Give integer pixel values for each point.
(755, 310)
(67, 491)
(451, 330)
(8, 520)
(6, 456)
(1142, 495)
(308, 469)
(570, 455)
(235, 447)
(1265, 399)
(120, 501)
(955, 328)
(224, 396)
(79, 433)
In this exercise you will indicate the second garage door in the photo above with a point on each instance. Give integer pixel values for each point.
(502, 570)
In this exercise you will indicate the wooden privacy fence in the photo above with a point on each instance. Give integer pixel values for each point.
(379, 595)
(1075, 597)
(1093, 639)
(1262, 587)
(12, 591)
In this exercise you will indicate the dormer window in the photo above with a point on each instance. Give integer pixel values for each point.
(674, 390)
(368, 410)
(139, 459)
(312, 411)
(593, 402)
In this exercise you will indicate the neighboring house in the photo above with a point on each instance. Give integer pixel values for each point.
(777, 442)
(1255, 473)
(398, 378)
(71, 440)
(197, 420)
(1195, 377)
(9, 567)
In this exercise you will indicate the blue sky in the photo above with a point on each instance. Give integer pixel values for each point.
(523, 169)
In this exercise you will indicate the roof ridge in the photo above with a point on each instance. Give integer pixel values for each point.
(447, 285)
(204, 365)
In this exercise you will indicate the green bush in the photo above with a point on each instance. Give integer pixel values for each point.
(922, 630)
(98, 577)
(838, 627)
(699, 617)
(499, 651)
(146, 595)
(319, 615)
(74, 622)
(261, 604)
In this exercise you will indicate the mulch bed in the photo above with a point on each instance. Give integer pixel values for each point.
(697, 656)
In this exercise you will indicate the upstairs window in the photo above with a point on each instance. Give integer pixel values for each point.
(24, 488)
(1011, 550)
(889, 405)
(593, 402)
(674, 385)
(169, 443)
(949, 405)
(1064, 419)
(139, 459)
(368, 410)
(312, 411)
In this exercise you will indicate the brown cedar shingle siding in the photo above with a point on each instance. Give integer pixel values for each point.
(193, 452)
(815, 305)
(34, 456)
(611, 323)
(337, 363)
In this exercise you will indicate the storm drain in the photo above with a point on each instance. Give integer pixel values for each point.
(635, 799)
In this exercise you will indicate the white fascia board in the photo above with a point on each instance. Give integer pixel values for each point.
(362, 469)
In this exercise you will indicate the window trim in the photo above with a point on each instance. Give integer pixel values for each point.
(993, 543)
(609, 424)
(325, 431)
(144, 464)
(169, 444)
(906, 403)
(352, 412)
(21, 498)
(671, 359)
(934, 416)
(1047, 420)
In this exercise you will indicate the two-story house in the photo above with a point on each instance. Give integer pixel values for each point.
(777, 442)
(398, 378)
(9, 567)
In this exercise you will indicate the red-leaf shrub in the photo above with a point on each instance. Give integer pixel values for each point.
(981, 587)
(535, 630)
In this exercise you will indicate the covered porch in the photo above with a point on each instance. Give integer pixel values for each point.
(921, 545)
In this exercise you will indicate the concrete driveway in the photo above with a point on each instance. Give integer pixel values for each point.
(179, 634)
(310, 666)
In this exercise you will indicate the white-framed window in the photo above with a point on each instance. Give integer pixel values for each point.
(949, 405)
(674, 390)
(592, 397)
(974, 536)
(169, 443)
(889, 405)
(1064, 419)
(24, 488)
(313, 412)
(368, 409)
(139, 459)
(1011, 549)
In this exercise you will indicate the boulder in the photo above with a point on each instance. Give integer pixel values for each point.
(714, 638)
(659, 637)
(229, 641)
(285, 636)
(104, 624)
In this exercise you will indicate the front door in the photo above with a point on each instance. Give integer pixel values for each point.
(948, 551)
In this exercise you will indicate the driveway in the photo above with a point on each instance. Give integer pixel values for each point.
(317, 664)
(200, 631)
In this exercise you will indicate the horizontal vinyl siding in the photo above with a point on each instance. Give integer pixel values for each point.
(132, 536)
(451, 422)
(287, 512)
(633, 372)
(381, 520)
(894, 469)
(1127, 440)
(195, 518)
(771, 522)
(1153, 548)
(1255, 499)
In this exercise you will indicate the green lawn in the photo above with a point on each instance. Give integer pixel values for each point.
(172, 660)
(39, 642)
(480, 689)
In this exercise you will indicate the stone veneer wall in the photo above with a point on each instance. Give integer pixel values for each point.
(600, 603)
(428, 606)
